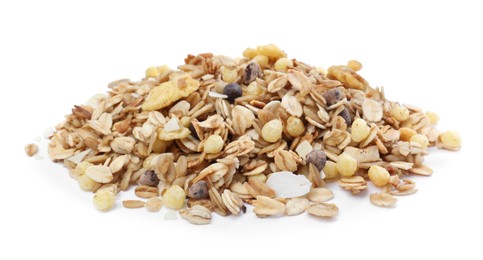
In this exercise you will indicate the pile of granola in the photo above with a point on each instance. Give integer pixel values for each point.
(264, 129)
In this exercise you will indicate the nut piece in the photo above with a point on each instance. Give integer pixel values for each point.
(272, 131)
(320, 195)
(251, 73)
(346, 165)
(104, 199)
(31, 149)
(154, 204)
(325, 210)
(174, 197)
(382, 199)
(379, 175)
(265, 206)
(296, 206)
(197, 215)
(199, 190)
(133, 204)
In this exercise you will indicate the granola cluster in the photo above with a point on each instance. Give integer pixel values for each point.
(217, 133)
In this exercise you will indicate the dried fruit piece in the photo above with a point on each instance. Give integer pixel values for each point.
(251, 72)
(379, 176)
(317, 158)
(451, 140)
(198, 190)
(149, 178)
(332, 96)
(233, 91)
(346, 165)
(170, 92)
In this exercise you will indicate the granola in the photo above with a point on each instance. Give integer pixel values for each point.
(267, 130)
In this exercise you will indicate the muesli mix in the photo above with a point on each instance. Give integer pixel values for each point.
(265, 129)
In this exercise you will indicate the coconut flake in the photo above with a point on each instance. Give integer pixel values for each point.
(77, 158)
(48, 132)
(303, 149)
(95, 100)
(216, 95)
(172, 125)
(288, 185)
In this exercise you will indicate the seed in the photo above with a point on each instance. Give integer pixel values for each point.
(199, 190)
(346, 115)
(149, 178)
(251, 73)
(193, 131)
(174, 197)
(332, 96)
(317, 158)
(272, 131)
(233, 91)
(346, 165)
(213, 144)
(379, 175)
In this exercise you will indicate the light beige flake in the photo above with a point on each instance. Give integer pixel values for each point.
(99, 173)
(197, 215)
(292, 105)
(382, 199)
(265, 206)
(325, 210)
(232, 201)
(146, 192)
(372, 110)
(242, 119)
(154, 204)
(296, 206)
(31, 149)
(320, 195)
(285, 161)
(123, 145)
(355, 184)
(368, 154)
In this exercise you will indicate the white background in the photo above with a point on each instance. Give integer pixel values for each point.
(54, 54)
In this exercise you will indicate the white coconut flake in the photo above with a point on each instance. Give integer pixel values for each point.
(170, 215)
(95, 100)
(303, 149)
(171, 125)
(77, 158)
(216, 95)
(48, 132)
(288, 185)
